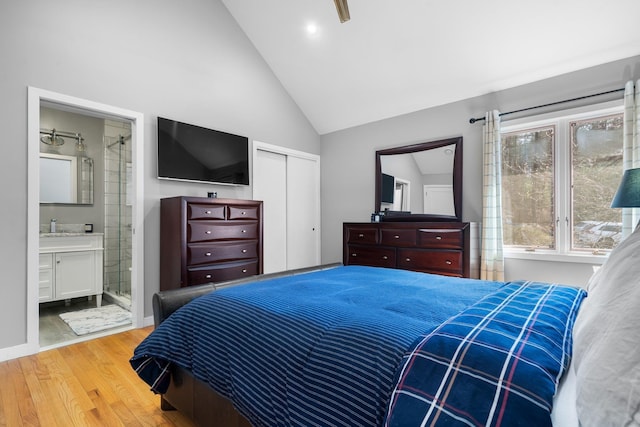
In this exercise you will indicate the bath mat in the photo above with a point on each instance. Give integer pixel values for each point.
(96, 319)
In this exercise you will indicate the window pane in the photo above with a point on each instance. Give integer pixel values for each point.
(596, 146)
(527, 188)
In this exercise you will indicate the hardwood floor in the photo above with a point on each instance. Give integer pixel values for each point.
(85, 384)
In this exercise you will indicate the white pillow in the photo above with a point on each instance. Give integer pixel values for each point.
(606, 354)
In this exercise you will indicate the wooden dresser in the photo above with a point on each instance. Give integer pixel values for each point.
(431, 247)
(204, 240)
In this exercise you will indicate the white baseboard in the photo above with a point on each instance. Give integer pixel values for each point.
(14, 352)
(147, 321)
(22, 350)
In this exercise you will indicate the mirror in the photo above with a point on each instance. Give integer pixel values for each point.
(66, 179)
(420, 182)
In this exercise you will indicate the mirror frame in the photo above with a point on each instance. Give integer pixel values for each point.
(457, 180)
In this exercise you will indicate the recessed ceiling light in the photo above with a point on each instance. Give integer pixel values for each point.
(312, 29)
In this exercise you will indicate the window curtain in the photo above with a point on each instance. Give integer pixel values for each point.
(631, 146)
(492, 258)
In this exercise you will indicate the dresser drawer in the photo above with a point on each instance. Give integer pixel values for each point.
(430, 261)
(199, 231)
(242, 212)
(440, 238)
(429, 246)
(372, 256)
(197, 211)
(362, 235)
(221, 272)
(398, 237)
(205, 253)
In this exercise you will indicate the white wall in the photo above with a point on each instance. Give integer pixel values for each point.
(185, 60)
(348, 157)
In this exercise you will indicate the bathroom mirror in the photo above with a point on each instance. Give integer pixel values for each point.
(420, 182)
(66, 179)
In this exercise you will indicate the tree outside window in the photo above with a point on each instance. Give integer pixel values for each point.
(558, 180)
(596, 159)
(528, 188)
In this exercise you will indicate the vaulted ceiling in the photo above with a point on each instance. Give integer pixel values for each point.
(398, 56)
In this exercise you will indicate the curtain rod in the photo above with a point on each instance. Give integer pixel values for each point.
(472, 120)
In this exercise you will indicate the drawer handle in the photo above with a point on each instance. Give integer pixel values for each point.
(207, 254)
(354, 255)
(207, 212)
(408, 259)
(244, 213)
(207, 232)
(385, 257)
(244, 270)
(396, 237)
(208, 276)
(448, 262)
(438, 237)
(361, 235)
(244, 231)
(244, 251)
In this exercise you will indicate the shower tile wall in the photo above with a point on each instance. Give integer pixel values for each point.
(117, 265)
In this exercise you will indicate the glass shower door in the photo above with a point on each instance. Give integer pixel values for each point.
(118, 212)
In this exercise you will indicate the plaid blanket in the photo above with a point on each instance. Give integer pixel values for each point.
(495, 364)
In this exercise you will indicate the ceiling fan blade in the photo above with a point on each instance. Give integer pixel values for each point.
(343, 10)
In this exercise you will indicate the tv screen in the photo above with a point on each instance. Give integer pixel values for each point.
(388, 188)
(193, 153)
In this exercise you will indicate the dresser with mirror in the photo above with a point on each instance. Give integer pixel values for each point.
(417, 223)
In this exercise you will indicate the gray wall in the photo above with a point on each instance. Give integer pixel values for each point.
(185, 60)
(348, 157)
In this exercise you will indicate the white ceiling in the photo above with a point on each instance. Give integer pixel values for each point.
(398, 56)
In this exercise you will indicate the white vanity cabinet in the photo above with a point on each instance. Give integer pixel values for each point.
(70, 266)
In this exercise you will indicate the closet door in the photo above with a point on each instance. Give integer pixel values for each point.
(302, 209)
(288, 182)
(269, 185)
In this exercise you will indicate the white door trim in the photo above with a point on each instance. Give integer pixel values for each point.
(82, 106)
(257, 145)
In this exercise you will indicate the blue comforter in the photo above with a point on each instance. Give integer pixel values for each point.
(320, 348)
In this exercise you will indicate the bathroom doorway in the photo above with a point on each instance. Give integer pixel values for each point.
(106, 211)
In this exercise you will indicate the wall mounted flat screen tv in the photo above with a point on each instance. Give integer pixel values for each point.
(193, 153)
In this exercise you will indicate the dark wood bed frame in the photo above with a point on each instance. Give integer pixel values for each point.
(187, 394)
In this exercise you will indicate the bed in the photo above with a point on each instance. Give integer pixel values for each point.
(350, 345)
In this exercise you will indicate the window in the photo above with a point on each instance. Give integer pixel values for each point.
(559, 175)
(596, 169)
(528, 188)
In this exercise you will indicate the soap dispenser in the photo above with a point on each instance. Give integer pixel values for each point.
(52, 227)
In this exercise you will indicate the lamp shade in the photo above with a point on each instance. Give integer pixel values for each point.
(628, 194)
